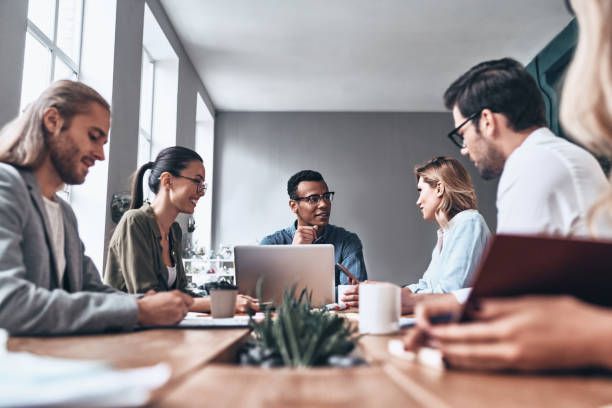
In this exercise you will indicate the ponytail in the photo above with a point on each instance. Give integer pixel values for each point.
(137, 191)
(172, 160)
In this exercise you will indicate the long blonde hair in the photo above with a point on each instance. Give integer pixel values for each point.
(586, 104)
(23, 140)
(459, 193)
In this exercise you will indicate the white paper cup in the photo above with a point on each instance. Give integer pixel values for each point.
(341, 289)
(379, 308)
(223, 302)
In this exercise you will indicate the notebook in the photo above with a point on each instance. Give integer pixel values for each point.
(515, 265)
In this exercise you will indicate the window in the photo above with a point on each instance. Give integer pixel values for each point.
(158, 94)
(147, 87)
(52, 49)
(53, 45)
(205, 141)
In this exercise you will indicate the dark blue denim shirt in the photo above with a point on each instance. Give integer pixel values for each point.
(347, 248)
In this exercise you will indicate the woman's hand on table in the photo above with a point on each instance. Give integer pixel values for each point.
(163, 308)
(350, 297)
(526, 333)
(245, 303)
(410, 300)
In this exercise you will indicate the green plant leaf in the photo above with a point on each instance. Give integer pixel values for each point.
(299, 336)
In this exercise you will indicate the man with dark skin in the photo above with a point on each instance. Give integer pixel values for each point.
(311, 201)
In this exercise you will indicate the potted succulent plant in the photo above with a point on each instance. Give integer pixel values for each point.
(300, 336)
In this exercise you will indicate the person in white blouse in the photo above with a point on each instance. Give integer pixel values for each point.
(446, 197)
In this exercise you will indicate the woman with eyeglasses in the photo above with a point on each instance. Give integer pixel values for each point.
(144, 253)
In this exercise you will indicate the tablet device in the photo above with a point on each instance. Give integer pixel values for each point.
(515, 265)
(282, 266)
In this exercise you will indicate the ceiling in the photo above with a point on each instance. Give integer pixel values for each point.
(352, 55)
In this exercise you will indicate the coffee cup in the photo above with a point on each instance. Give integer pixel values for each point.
(341, 289)
(379, 308)
(223, 302)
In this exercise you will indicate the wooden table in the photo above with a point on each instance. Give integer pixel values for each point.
(202, 375)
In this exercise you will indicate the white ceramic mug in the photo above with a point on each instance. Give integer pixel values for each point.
(379, 308)
(341, 289)
(223, 302)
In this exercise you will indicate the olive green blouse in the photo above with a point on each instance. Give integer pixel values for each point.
(134, 263)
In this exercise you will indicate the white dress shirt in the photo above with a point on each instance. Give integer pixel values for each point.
(547, 187)
(457, 252)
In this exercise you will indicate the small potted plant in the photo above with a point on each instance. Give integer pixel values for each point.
(222, 298)
(299, 336)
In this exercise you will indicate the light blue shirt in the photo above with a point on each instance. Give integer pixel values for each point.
(456, 254)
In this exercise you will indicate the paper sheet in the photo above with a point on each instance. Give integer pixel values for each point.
(201, 320)
(31, 380)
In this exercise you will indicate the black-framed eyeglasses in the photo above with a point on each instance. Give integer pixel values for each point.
(201, 185)
(315, 198)
(455, 136)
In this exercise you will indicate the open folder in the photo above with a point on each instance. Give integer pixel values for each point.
(516, 265)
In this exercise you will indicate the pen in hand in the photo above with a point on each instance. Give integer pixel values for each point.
(352, 279)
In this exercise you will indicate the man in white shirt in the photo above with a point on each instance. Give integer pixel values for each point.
(547, 184)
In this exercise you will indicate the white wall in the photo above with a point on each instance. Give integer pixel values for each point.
(189, 81)
(205, 144)
(164, 106)
(89, 199)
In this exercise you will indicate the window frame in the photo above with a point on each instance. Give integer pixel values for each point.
(56, 52)
(147, 134)
(51, 44)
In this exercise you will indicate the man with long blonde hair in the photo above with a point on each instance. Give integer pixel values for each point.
(47, 284)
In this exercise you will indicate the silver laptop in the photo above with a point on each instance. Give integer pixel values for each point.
(281, 266)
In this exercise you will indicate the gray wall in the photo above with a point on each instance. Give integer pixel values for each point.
(367, 158)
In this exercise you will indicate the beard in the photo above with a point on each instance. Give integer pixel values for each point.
(64, 155)
(491, 165)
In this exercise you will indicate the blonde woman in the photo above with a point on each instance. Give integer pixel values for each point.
(447, 197)
(552, 332)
